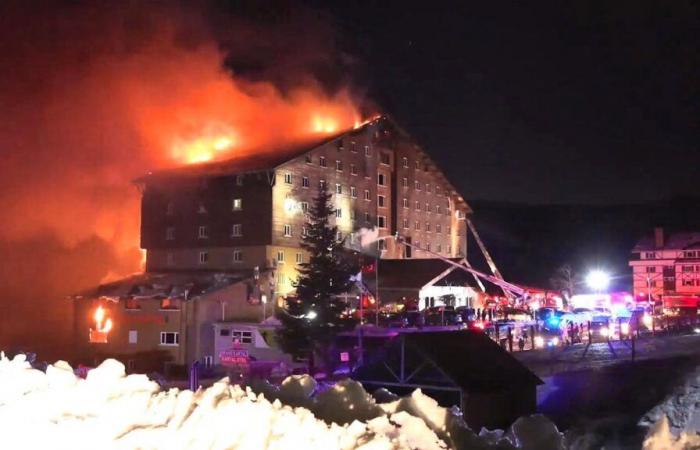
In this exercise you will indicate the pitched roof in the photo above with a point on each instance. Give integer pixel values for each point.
(672, 241)
(410, 273)
(472, 359)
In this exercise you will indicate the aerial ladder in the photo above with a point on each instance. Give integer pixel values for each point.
(492, 265)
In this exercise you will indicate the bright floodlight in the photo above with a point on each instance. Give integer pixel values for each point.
(597, 280)
(311, 315)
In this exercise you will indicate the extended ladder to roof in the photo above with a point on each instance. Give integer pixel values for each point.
(492, 265)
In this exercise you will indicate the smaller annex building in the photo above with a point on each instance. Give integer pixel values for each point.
(463, 368)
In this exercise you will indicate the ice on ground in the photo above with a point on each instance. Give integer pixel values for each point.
(110, 410)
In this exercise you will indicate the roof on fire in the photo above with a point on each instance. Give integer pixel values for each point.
(183, 285)
(272, 158)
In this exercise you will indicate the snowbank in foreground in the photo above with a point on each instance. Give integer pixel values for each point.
(110, 410)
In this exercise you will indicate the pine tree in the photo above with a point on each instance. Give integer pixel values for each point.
(311, 320)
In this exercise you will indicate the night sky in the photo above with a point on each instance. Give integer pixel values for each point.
(541, 102)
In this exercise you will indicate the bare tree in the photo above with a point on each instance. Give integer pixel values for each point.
(565, 280)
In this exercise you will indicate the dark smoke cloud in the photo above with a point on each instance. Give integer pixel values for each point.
(87, 94)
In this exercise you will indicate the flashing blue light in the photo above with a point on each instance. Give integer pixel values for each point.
(553, 322)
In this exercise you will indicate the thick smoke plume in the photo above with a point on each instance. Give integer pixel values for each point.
(94, 96)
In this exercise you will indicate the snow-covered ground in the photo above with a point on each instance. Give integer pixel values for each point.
(110, 410)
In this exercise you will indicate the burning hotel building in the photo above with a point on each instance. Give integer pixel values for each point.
(227, 234)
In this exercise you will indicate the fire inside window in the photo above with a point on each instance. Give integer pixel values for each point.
(103, 325)
(169, 303)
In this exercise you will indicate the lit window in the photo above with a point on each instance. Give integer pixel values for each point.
(169, 338)
(239, 180)
(203, 257)
(405, 203)
(300, 258)
(304, 207)
(368, 197)
(133, 336)
(338, 188)
(305, 182)
(169, 303)
(353, 169)
(381, 221)
(380, 201)
(367, 151)
(237, 256)
(132, 303)
(242, 337)
(280, 256)
(237, 230)
(404, 162)
(353, 192)
(170, 233)
(237, 204)
(404, 182)
(322, 161)
(203, 232)
(288, 231)
(381, 179)
(339, 166)
(288, 178)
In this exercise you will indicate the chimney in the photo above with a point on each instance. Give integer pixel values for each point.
(659, 237)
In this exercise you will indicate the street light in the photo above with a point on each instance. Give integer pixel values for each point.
(597, 280)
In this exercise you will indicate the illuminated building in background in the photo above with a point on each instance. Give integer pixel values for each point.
(667, 267)
(248, 212)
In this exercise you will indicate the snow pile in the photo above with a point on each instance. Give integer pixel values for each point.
(109, 410)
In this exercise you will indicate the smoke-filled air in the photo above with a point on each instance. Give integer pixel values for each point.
(93, 97)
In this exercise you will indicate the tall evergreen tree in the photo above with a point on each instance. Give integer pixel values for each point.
(311, 320)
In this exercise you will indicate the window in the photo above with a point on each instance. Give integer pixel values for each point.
(201, 209)
(133, 336)
(437, 190)
(339, 166)
(244, 337)
(170, 233)
(367, 218)
(322, 161)
(384, 158)
(367, 151)
(308, 159)
(322, 185)
(651, 269)
(427, 227)
(438, 228)
(416, 225)
(304, 231)
(427, 246)
(405, 203)
(404, 162)
(338, 213)
(280, 256)
(367, 195)
(237, 230)
(169, 303)
(299, 258)
(353, 147)
(381, 221)
(305, 182)
(417, 205)
(381, 179)
(287, 231)
(237, 204)
(304, 207)
(132, 303)
(381, 245)
(427, 207)
(417, 165)
(237, 256)
(437, 209)
(650, 255)
(208, 361)
(170, 208)
(339, 144)
(353, 214)
(405, 223)
(353, 169)
(449, 249)
(353, 192)
(404, 182)
(439, 248)
(239, 180)
(203, 257)
(416, 185)
(380, 201)
(427, 188)
(203, 232)
(169, 259)
(288, 178)
(169, 338)
(449, 229)
(339, 236)
(687, 282)
(338, 188)
(686, 269)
